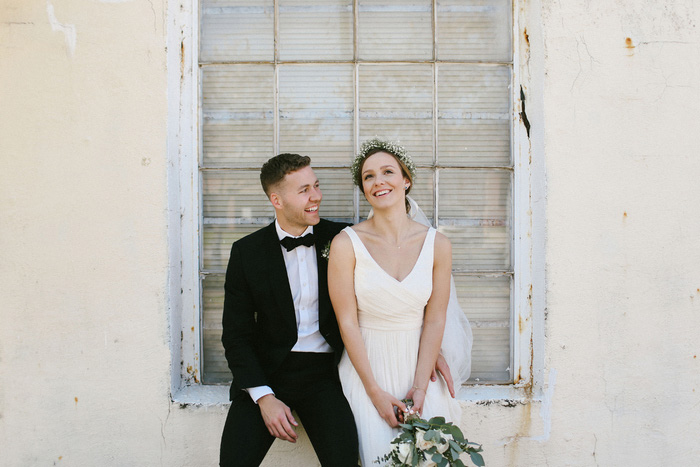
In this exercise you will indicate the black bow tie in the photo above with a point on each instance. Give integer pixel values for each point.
(291, 243)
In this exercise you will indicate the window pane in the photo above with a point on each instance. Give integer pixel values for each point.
(217, 241)
(474, 210)
(337, 188)
(396, 102)
(474, 30)
(234, 205)
(486, 302)
(316, 112)
(479, 197)
(237, 30)
(228, 195)
(310, 30)
(395, 30)
(214, 366)
(237, 115)
(474, 115)
(491, 355)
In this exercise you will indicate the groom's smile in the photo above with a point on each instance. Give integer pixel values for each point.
(297, 200)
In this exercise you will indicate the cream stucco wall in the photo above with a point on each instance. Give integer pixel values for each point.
(613, 95)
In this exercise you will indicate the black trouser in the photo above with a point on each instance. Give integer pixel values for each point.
(308, 383)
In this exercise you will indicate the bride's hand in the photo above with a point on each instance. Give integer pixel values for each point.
(386, 406)
(418, 397)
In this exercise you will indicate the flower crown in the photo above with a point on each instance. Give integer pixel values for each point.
(388, 146)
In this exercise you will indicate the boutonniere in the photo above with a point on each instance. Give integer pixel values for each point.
(326, 250)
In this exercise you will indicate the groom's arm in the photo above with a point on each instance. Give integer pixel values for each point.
(239, 325)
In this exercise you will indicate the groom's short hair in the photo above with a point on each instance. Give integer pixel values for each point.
(274, 170)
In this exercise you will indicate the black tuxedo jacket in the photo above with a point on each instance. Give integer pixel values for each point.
(259, 321)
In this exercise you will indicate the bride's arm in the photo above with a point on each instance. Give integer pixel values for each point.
(433, 320)
(341, 286)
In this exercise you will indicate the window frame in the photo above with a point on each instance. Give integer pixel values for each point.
(185, 207)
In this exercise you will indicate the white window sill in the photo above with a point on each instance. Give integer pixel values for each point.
(211, 395)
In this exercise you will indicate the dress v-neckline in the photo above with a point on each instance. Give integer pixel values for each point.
(420, 255)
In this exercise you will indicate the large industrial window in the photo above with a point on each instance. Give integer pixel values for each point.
(318, 78)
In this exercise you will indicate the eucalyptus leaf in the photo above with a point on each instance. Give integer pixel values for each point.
(440, 461)
(432, 435)
(477, 459)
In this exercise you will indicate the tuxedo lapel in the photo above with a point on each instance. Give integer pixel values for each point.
(277, 277)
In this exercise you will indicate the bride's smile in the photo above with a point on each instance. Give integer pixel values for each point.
(382, 180)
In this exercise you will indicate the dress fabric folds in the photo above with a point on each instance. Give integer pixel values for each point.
(390, 314)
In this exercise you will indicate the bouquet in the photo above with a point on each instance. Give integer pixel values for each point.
(429, 443)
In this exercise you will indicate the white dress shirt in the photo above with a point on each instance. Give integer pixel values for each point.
(302, 272)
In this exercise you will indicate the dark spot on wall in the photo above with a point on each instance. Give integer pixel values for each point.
(628, 43)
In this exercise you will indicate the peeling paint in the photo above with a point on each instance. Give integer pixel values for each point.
(68, 30)
(545, 415)
(523, 115)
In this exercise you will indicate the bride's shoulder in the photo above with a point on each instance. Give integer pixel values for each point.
(442, 244)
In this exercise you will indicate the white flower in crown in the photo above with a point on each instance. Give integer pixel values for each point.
(390, 146)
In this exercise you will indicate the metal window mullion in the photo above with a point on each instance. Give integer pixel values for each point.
(356, 101)
(276, 81)
(436, 157)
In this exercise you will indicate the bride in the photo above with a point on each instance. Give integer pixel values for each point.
(389, 279)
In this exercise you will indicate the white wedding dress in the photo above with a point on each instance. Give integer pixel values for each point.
(390, 314)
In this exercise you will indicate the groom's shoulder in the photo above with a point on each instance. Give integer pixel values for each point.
(255, 238)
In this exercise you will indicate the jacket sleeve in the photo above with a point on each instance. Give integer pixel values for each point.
(239, 326)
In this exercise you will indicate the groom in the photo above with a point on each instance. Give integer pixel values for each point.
(280, 335)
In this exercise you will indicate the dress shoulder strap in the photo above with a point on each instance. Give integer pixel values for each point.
(354, 238)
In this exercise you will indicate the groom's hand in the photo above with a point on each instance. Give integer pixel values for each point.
(442, 367)
(278, 418)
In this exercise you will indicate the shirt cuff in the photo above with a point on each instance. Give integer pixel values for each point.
(258, 391)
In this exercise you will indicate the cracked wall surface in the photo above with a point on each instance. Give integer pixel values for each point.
(610, 125)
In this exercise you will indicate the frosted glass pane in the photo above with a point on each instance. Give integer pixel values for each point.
(212, 300)
(316, 112)
(312, 30)
(215, 368)
(396, 102)
(217, 240)
(485, 300)
(478, 197)
(237, 30)
(474, 30)
(475, 143)
(237, 115)
(395, 30)
(474, 115)
(478, 248)
(337, 189)
(228, 195)
(475, 213)
(491, 355)
(423, 192)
